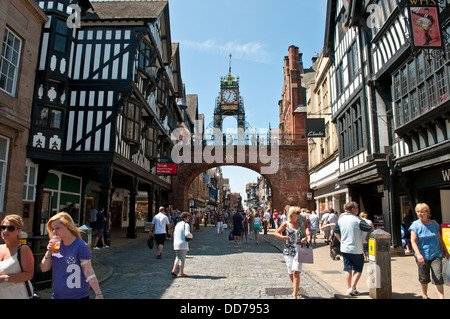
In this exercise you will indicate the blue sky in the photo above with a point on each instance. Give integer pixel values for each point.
(258, 34)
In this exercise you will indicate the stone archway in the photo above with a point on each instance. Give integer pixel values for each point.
(289, 184)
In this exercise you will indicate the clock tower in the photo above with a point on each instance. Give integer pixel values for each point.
(229, 102)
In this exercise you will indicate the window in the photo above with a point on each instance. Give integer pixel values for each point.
(4, 147)
(339, 81)
(49, 117)
(29, 186)
(353, 65)
(404, 81)
(151, 143)
(420, 85)
(9, 64)
(412, 73)
(420, 68)
(351, 132)
(131, 122)
(62, 30)
(432, 92)
(397, 87)
(442, 86)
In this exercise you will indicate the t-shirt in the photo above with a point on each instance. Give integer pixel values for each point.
(69, 281)
(313, 221)
(160, 221)
(351, 229)
(101, 221)
(427, 239)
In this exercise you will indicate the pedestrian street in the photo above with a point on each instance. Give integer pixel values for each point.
(216, 267)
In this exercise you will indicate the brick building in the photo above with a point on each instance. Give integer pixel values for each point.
(20, 28)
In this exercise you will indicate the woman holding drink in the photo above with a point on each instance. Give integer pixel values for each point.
(70, 258)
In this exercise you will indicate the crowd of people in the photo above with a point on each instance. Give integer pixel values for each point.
(297, 226)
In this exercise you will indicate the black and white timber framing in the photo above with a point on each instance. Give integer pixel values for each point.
(105, 98)
(391, 106)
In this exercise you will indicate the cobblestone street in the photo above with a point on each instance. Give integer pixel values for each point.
(217, 269)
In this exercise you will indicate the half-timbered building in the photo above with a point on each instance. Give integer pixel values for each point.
(358, 109)
(415, 81)
(391, 106)
(105, 104)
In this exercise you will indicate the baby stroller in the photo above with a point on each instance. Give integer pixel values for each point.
(335, 251)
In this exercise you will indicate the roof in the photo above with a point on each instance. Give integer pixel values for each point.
(129, 10)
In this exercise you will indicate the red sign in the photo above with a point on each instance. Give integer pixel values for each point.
(166, 168)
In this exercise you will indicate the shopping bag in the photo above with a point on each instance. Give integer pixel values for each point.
(230, 236)
(446, 271)
(304, 254)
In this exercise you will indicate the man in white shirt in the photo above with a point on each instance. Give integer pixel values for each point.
(266, 220)
(348, 231)
(161, 226)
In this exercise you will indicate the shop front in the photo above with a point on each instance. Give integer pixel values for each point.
(431, 186)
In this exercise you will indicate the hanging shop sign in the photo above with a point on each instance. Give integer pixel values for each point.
(315, 128)
(424, 24)
(165, 166)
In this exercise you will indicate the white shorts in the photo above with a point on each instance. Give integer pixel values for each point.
(292, 265)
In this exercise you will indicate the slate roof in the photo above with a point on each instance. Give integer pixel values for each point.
(128, 10)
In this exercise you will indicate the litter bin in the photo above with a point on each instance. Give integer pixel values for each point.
(86, 235)
(379, 279)
(41, 280)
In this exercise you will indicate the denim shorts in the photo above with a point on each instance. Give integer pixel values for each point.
(353, 262)
(435, 266)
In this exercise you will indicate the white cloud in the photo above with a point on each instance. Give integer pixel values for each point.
(251, 51)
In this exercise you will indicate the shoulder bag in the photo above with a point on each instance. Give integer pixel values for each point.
(28, 284)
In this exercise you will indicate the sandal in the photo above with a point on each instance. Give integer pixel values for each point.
(174, 274)
(183, 275)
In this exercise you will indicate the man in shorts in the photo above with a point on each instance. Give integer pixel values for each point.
(161, 226)
(348, 231)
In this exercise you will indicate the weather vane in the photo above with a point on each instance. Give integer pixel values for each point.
(230, 61)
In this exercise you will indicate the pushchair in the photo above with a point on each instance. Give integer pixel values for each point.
(335, 250)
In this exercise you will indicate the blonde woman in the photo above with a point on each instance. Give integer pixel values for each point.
(72, 270)
(428, 246)
(14, 274)
(295, 235)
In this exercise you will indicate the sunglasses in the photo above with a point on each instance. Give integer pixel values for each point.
(8, 228)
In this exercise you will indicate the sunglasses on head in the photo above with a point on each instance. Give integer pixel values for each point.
(8, 228)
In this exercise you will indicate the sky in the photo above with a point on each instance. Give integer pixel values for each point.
(258, 34)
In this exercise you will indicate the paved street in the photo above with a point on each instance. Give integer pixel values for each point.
(217, 269)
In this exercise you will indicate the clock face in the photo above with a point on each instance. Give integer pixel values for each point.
(229, 96)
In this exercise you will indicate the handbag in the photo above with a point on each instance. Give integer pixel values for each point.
(28, 284)
(187, 238)
(304, 254)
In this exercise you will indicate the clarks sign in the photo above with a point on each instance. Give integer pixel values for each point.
(315, 128)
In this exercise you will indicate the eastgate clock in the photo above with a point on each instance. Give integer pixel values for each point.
(229, 96)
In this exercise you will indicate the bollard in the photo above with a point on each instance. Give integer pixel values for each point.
(379, 280)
